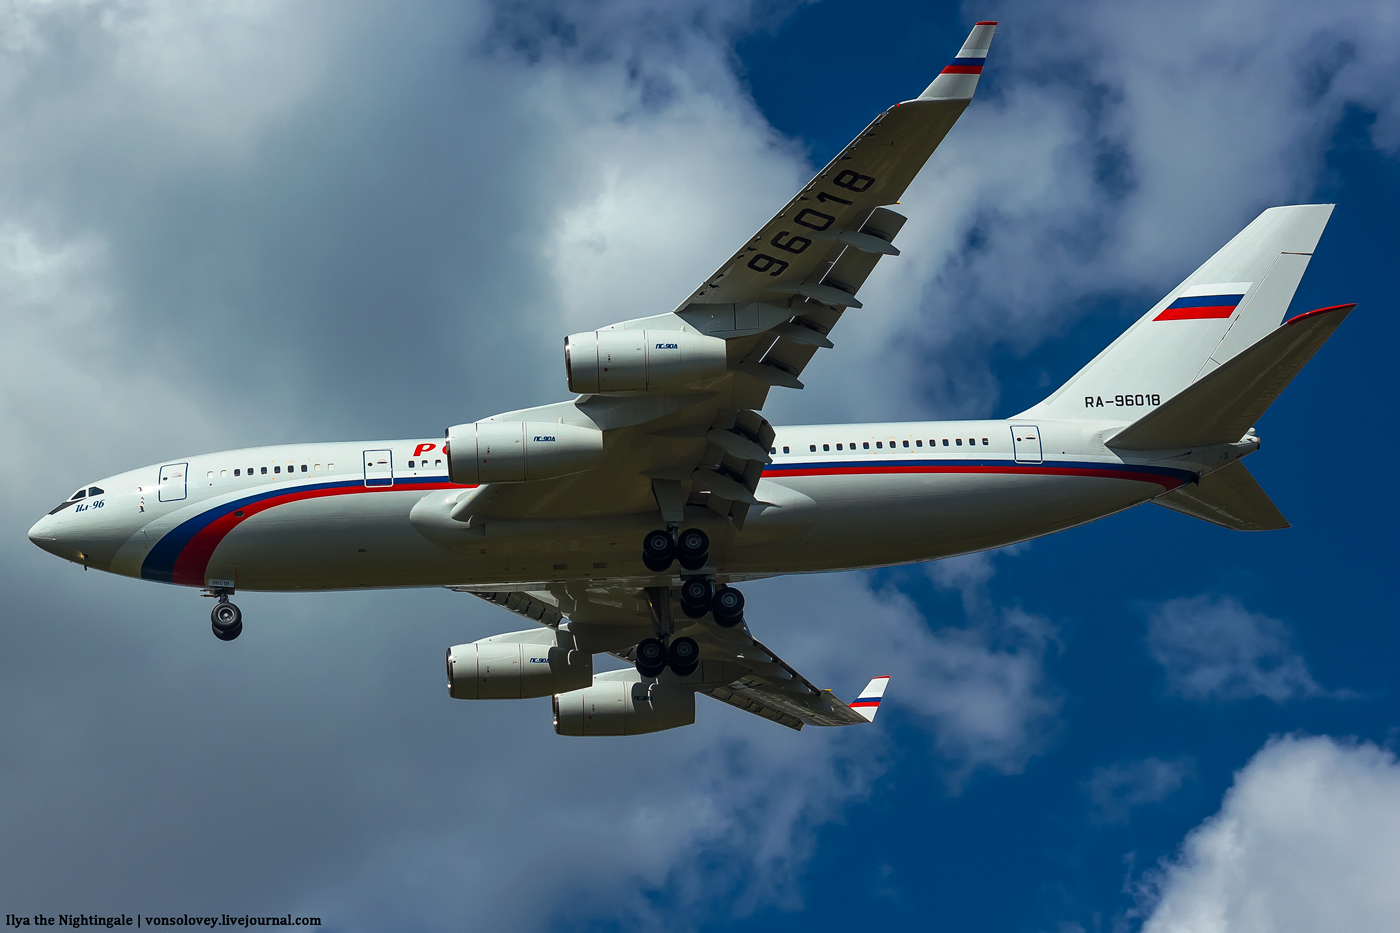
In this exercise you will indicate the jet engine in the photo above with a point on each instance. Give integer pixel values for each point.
(621, 703)
(515, 666)
(606, 362)
(516, 451)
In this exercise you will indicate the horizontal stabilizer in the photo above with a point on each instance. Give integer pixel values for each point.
(1225, 403)
(868, 703)
(1230, 497)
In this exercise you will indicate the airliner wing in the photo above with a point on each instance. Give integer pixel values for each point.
(783, 291)
(735, 668)
(774, 303)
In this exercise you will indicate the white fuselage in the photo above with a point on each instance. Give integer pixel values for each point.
(375, 514)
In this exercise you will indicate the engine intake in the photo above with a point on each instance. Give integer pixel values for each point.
(621, 703)
(517, 451)
(510, 667)
(605, 362)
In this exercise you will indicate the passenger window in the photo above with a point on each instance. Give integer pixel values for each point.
(223, 474)
(303, 468)
(786, 450)
(865, 444)
(277, 469)
(263, 470)
(880, 445)
(812, 448)
(918, 443)
(437, 463)
(410, 464)
(318, 468)
(945, 442)
(772, 450)
(237, 472)
(986, 443)
(838, 446)
(826, 447)
(906, 443)
(959, 442)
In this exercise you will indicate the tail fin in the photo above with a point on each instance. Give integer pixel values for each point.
(868, 703)
(1230, 497)
(1227, 305)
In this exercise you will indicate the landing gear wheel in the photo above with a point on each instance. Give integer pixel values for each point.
(696, 594)
(651, 657)
(727, 607)
(684, 656)
(658, 551)
(228, 634)
(693, 548)
(227, 620)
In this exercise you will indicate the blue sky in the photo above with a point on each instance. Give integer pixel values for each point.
(245, 224)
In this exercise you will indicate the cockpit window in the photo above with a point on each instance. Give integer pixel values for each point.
(94, 491)
(77, 495)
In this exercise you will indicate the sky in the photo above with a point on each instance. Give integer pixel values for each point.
(239, 223)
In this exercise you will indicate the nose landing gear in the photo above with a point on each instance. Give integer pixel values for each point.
(225, 618)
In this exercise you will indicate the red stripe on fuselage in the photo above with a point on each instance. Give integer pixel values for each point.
(194, 558)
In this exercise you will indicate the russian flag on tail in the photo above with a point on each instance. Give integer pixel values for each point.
(1204, 301)
(868, 703)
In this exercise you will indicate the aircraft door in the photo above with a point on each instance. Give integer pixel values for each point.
(172, 482)
(379, 468)
(1026, 443)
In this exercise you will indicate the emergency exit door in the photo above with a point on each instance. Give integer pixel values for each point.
(1025, 440)
(379, 468)
(172, 482)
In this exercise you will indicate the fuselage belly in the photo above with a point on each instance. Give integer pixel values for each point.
(381, 518)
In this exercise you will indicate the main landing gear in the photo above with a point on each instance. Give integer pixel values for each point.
(698, 596)
(226, 619)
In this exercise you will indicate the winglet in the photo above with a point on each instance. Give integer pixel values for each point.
(959, 80)
(868, 703)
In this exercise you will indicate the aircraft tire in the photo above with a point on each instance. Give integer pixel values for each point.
(651, 657)
(727, 607)
(658, 551)
(228, 633)
(693, 548)
(696, 594)
(684, 656)
(225, 615)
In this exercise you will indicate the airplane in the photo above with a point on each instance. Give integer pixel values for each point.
(620, 521)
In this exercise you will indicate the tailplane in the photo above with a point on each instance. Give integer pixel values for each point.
(1222, 405)
(1229, 304)
(1230, 497)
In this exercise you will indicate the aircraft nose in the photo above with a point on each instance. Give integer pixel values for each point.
(45, 534)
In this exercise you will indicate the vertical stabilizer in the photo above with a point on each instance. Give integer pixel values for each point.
(1232, 301)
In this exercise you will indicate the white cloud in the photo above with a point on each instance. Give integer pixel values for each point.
(1307, 839)
(978, 688)
(1213, 648)
(1116, 790)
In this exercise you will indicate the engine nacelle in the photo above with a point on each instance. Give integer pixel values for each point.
(516, 451)
(621, 703)
(516, 666)
(603, 362)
